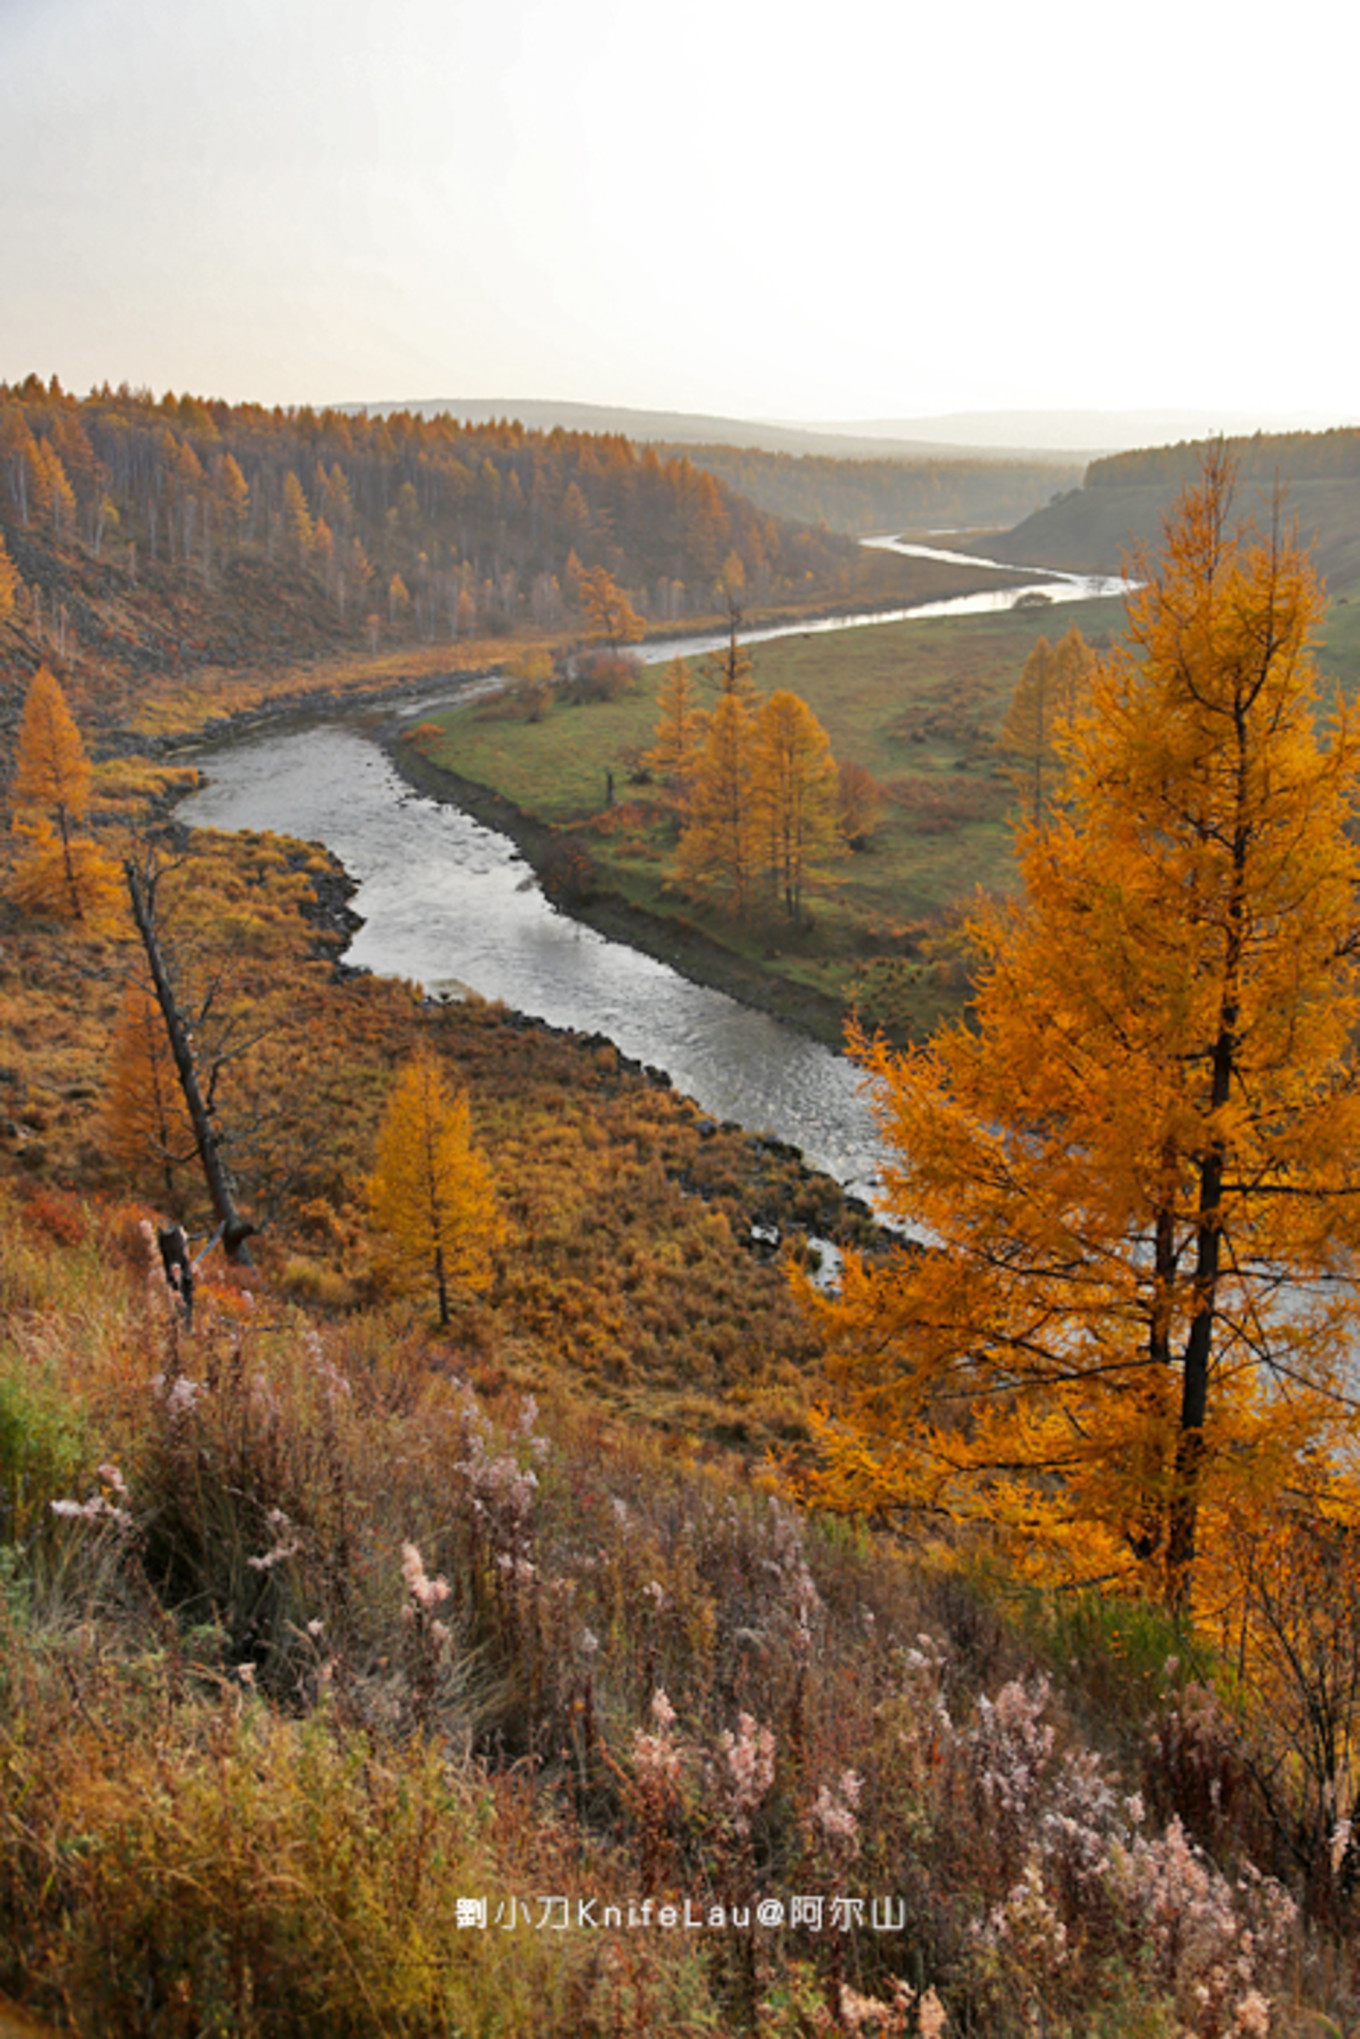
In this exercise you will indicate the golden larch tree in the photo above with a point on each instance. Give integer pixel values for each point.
(719, 846)
(431, 1195)
(794, 790)
(398, 602)
(680, 726)
(51, 784)
(59, 495)
(613, 619)
(1053, 687)
(1133, 1170)
(323, 553)
(233, 491)
(147, 1128)
(9, 583)
(297, 518)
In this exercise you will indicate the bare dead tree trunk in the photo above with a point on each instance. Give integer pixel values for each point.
(235, 1229)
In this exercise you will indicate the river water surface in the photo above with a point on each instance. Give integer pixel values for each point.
(453, 906)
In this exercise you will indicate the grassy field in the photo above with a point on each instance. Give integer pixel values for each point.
(918, 703)
(1339, 642)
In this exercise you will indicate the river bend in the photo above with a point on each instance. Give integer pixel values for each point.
(453, 906)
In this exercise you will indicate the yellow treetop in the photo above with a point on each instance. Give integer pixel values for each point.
(51, 771)
(613, 619)
(795, 790)
(680, 726)
(61, 874)
(430, 1194)
(1132, 1167)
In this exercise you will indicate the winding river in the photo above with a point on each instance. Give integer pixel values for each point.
(453, 906)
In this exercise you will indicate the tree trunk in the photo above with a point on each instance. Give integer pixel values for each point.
(71, 884)
(1183, 1517)
(235, 1229)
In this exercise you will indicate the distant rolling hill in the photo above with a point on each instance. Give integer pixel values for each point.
(1070, 435)
(676, 428)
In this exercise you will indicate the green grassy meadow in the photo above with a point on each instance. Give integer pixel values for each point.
(1339, 640)
(919, 704)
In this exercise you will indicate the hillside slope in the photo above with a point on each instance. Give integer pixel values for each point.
(1123, 501)
(181, 559)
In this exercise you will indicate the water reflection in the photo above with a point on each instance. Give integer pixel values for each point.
(454, 906)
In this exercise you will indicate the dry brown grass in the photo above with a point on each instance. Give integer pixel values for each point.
(251, 1751)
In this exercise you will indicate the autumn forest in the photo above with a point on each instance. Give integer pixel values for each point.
(488, 1547)
(407, 524)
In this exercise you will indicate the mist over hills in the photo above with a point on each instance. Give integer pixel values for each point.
(855, 485)
(689, 428)
(1065, 438)
(1071, 435)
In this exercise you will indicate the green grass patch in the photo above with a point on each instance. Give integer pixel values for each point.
(43, 1446)
(918, 703)
(554, 769)
(1339, 639)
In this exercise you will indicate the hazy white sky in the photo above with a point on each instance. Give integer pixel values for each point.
(810, 210)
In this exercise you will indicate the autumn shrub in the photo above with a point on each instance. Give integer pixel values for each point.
(44, 1443)
(568, 872)
(127, 787)
(600, 676)
(423, 736)
(319, 1286)
(893, 996)
(47, 1277)
(1122, 1661)
(197, 1862)
(933, 804)
(335, 1641)
(1076, 1897)
(246, 1493)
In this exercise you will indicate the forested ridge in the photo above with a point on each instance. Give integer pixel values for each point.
(1301, 456)
(1124, 499)
(179, 560)
(909, 492)
(425, 524)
